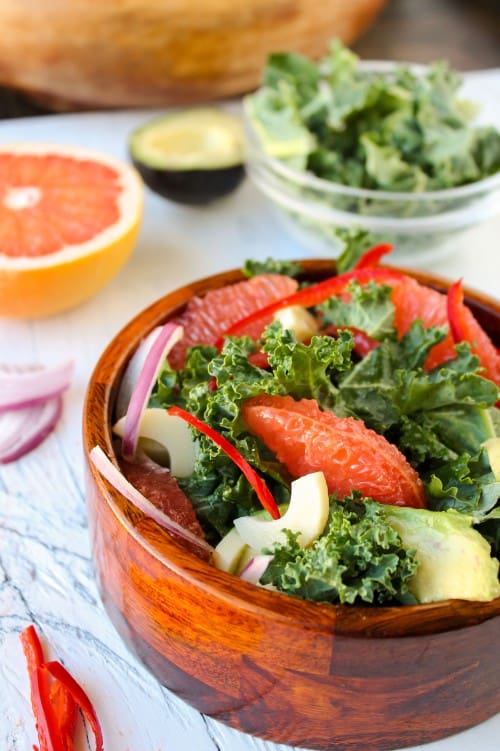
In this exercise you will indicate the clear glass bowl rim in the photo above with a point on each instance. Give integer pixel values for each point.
(309, 180)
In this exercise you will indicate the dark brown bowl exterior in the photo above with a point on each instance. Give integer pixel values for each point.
(306, 674)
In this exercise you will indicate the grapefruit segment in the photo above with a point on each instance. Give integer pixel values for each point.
(206, 318)
(413, 301)
(69, 219)
(352, 457)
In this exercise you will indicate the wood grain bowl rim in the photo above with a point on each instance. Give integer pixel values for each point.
(355, 621)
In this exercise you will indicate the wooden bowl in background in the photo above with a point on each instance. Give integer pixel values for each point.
(131, 53)
(290, 671)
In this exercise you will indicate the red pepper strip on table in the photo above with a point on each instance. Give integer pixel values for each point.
(372, 256)
(313, 295)
(263, 493)
(66, 711)
(46, 724)
(58, 671)
(55, 703)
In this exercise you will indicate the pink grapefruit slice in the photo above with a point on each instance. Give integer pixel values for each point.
(69, 219)
(352, 457)
(206, 318)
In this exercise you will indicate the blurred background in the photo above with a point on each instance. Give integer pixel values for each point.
(83, 55)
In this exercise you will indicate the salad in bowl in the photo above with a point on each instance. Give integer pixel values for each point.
(337, 441)
(292, 489)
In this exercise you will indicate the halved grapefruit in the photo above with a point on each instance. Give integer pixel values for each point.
(69, 218)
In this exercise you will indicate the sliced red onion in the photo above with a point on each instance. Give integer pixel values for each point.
(23, 429)
(256, 568)
(170, 334)
(133, 371)
(113, 475)
(27, 386)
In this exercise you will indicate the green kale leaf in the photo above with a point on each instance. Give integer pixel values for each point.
(390, 383)
(254, 267)
(307, 371)
(352, 242)
(304, 371)
(358, 559)
(369, 309)
(465, 484)
(397, 130)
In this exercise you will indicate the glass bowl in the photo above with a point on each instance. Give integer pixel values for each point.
(420, 225)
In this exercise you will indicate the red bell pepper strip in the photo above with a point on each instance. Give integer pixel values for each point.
(212, 384)
(66, 712)
(313, 295)
(363, 342)
(263, 493)
(372, 256)
(55, 703)
(454, 303)
(46, 723)
(260, 359)
(79, 696)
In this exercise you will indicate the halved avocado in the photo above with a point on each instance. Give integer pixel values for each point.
(192, 156)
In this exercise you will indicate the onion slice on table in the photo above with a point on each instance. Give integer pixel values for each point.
(30, 405)
(27, 386)
(22, 430)
(169, 335)
(113, 475)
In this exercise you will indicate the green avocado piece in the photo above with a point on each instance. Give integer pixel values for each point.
(192, 139)
(192, 156)
(454, 559)
(492, 446)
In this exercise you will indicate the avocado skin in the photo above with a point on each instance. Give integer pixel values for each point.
(195, 187)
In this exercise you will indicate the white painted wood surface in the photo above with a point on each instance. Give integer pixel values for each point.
(45, 569)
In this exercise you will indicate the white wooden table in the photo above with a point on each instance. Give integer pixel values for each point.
(46, 573)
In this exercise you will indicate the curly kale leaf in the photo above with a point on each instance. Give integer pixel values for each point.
(253, 267)
(307, 371)
(353, 243)
(304, 371)
(390, 390)
(368, 308)
(359, 559)
(395, 130)
(465, 484)
(438, 418)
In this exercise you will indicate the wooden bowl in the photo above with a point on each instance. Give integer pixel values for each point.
(307, 674)
(140, 53)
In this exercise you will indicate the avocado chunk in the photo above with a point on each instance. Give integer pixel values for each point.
(492, 446)
(167, 431)
(454, 559)
(192, 156)
(229, 552)
(306, 514)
